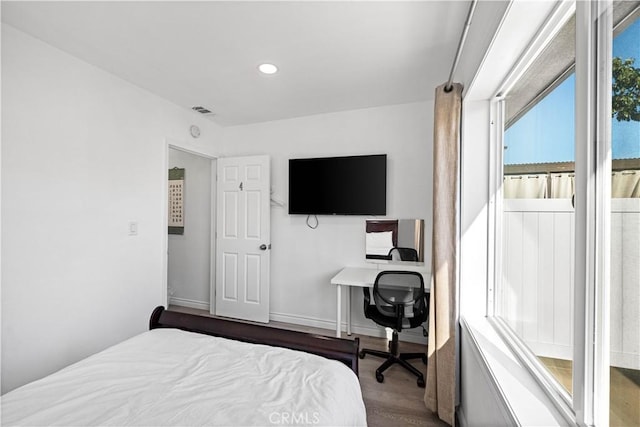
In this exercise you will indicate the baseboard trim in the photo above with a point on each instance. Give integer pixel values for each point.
(372, 331)
(184, 302)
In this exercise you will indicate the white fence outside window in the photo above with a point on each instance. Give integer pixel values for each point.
(538, 280)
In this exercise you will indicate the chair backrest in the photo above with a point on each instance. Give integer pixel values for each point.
(403, 254)
(401, 294)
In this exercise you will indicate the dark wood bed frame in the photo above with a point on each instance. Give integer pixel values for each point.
(340, 349)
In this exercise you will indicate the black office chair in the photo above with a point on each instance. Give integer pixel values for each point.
(403, 254)
(400, 302)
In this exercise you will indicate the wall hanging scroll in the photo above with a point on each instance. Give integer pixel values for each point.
(176, 201)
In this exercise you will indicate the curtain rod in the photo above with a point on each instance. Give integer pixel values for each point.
(463, 37)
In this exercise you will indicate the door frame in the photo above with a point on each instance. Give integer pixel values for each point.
(172, 144)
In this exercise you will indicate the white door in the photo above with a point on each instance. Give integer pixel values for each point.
(243, 238)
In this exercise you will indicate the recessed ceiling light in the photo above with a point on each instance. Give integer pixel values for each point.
(267, 68)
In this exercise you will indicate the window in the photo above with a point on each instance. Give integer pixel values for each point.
(624, 372)
(568, 291)
(536, 292)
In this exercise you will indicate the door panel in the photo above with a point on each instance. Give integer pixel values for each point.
(252, 275)
(230, 214)
(243, 243)
(229, 268)
(253, 215)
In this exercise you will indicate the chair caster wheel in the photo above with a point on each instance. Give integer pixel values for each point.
(361, 354)
(421, 382)
(379, 377)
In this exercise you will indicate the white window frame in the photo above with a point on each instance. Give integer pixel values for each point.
(589, 402)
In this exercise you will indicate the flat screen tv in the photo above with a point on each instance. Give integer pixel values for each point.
(354, 185)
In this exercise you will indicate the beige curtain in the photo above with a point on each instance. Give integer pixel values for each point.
(625, 184)
(562, 185)
(440, 393)
(525, 186)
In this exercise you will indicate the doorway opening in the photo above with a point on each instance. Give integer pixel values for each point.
(191, 246)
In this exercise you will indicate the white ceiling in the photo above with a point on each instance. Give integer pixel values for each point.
(332, 56)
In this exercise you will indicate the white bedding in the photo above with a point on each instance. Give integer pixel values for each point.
(171, 377)
(379, 243)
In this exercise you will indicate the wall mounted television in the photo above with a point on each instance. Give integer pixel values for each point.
(353, 185)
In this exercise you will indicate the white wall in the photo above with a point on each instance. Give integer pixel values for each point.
(482, 405)
(474, 195)
(190, 257)
(487, 17)
(83, 153)
(303, 260)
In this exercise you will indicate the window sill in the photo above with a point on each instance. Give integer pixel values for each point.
(514, 389)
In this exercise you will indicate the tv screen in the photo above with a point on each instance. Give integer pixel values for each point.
(354, 185)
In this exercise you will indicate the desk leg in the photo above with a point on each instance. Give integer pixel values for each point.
(338, 309)
(348, 304)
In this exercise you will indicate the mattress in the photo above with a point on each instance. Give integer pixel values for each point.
(172, 377)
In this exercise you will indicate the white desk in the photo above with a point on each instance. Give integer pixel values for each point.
(361, 277)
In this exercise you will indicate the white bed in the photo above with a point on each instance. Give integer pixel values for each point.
(172, 377)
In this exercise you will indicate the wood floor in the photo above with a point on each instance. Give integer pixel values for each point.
(398, 401)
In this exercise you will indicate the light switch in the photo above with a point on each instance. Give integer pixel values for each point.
(133, 228)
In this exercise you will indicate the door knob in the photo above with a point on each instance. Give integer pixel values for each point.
(264, 247)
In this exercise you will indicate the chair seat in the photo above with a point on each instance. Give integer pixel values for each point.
(371, 312)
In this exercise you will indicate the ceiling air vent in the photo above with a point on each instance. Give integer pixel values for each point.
(202, 110)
